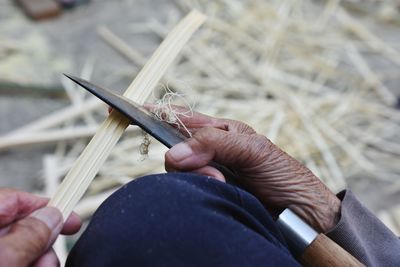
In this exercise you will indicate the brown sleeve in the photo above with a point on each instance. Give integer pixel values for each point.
(364, 235)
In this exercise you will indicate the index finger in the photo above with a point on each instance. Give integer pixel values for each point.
(15, 205)
(198, 120)
(194, 120)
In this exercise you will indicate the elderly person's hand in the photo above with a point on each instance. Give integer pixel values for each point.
(28, 229)
(275, 178)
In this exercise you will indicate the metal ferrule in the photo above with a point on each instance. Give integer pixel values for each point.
(297, 233)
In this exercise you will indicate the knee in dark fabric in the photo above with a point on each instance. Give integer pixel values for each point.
(179, 220)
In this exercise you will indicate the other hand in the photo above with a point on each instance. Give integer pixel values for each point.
(28, 229)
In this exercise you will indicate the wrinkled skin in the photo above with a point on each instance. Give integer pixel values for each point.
(27, 230)
(275, 178)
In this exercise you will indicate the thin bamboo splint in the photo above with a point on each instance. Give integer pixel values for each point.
(92, 158)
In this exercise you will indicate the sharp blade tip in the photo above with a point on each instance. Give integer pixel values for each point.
(77, 80)
(70, 77)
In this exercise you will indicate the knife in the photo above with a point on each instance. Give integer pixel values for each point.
(160, 130)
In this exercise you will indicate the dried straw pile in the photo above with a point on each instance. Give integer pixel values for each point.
(298, 72)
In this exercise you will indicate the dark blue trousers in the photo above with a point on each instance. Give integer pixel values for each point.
(181, 219)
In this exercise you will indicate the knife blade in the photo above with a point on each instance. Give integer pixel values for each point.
(160, 130)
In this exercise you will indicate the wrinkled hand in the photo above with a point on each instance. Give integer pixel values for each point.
(276, 179)
(28, 229)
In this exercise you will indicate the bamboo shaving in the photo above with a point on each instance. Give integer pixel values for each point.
(164, 110)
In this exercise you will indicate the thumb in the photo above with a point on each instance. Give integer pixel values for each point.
(230, 149)
(30, 237)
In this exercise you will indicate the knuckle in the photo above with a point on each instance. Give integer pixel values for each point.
(9, 207)
(272, 155)
(259, 141)
(244, 128)
(208, 136)
(204, 133)
(11, 255)
(238, 127)
(264, 143)
(262, 146)
(36, 234)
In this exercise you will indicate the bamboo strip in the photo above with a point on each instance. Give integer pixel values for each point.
(364, 33)
(302, 148)
(52, 175)
(326, 153)
(42, 137)
(120, 46)
(86, 167)
(199, 60)
(77, 97)
(50, 136)
(76, 94)
(347, 146)
(130, 53)
(275, 125)
(370, 77)
(59, 117)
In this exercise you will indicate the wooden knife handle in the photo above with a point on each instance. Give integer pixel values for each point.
(323, 252)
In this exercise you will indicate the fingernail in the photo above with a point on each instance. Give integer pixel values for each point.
(180, 152)
(50, 216)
